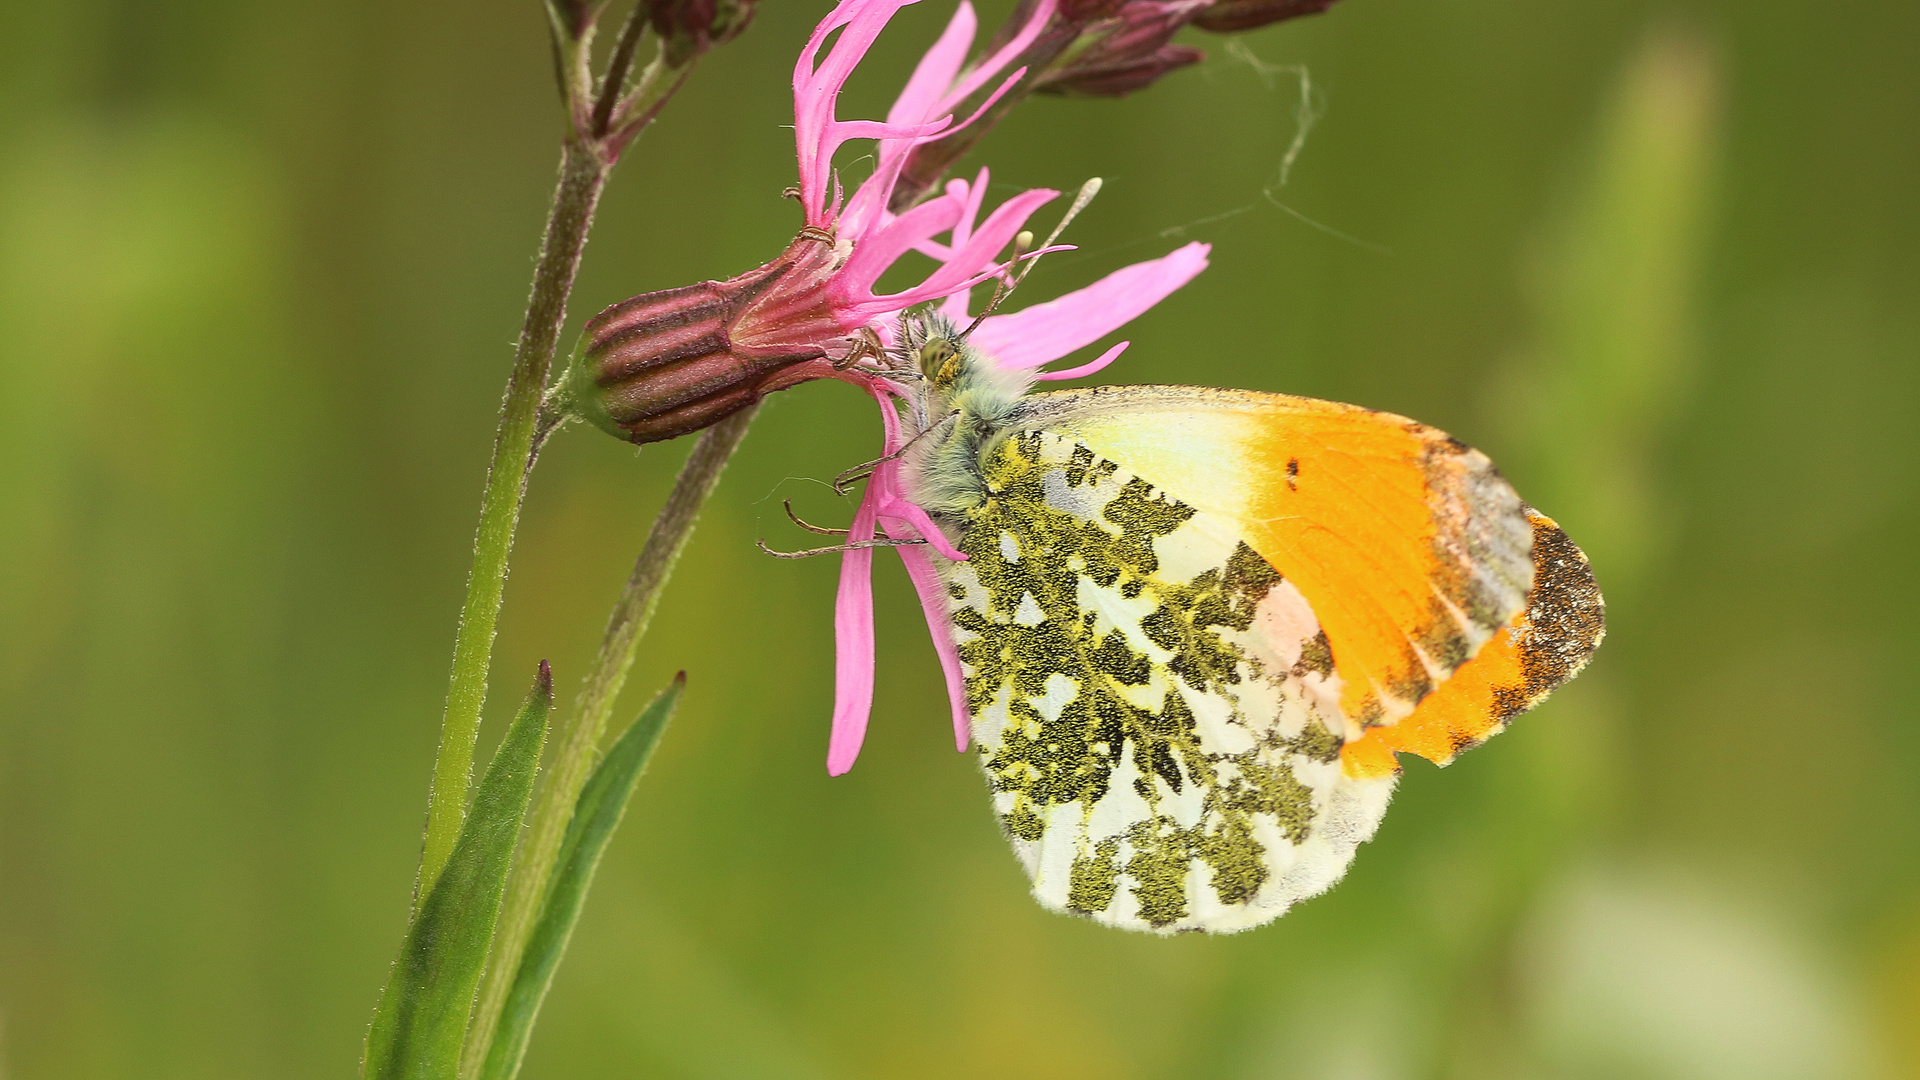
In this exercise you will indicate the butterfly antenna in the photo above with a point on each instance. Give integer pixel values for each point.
(865, 469)
(1022, 244)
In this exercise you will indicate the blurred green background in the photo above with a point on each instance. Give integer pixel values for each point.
(261, 266)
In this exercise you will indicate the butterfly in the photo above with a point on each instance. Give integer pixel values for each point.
(1197, 625)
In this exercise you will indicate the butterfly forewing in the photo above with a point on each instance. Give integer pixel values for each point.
(1409, 546)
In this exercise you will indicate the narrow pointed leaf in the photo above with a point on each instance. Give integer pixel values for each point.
(418, 1028)
(602, 802)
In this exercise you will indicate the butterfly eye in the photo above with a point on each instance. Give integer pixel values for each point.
(939, 360)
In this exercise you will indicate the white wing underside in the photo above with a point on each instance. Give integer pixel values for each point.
(1224, 802)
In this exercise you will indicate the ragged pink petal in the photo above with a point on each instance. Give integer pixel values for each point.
(1046, 332)
(884, 246)
(936, 71)
(1084, 370)
(985, 243)
(901, 519)
(853, 648)
(969, 197)
(816, 89)
(891, 505)
(870, 203)
(885, 494)
(1042, 13)
(937, 85)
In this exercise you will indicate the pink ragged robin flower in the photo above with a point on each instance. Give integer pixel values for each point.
(671, 362)
(1020, 343)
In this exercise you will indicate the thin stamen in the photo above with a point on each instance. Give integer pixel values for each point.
(1002, 288)
(1087, 191)
(1023, 265)
(836, 549)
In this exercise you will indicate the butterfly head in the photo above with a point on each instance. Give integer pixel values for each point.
(937, 350)
(960, 405)
(955, 374)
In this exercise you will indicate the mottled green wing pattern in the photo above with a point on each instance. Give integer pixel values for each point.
(1155, 707)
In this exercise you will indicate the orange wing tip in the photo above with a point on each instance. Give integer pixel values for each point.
(1554, 638)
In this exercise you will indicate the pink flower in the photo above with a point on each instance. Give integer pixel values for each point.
(667, 363)
(1024, 340)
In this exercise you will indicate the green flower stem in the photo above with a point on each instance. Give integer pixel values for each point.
(583, 173)
(578, 737)
(586, 160)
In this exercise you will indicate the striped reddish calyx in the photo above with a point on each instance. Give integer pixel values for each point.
(671, 362)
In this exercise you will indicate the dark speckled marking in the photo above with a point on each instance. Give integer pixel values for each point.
(1095, 879)
(1566, 618)
(1316, 656)
(1316, 742)
(1071, 759)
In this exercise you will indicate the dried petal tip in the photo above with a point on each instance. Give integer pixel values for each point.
(1125, 51)
(1232, 16)
(669, 363)
(691, 27)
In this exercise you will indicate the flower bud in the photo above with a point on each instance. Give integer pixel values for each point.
(1126, 51)
(1124, 77)
(691, 27)
(672, 362)
(572, 17)
(1085, 11)
(1232, 16)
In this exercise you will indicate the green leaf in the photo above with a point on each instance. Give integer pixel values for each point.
(602, 802)
(422, 1019)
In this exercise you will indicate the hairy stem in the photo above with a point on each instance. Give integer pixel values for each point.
(583, 173)
(578, 736)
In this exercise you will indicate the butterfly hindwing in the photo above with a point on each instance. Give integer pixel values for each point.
(1155, 705)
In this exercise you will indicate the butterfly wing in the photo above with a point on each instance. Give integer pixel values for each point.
(1182, 612)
